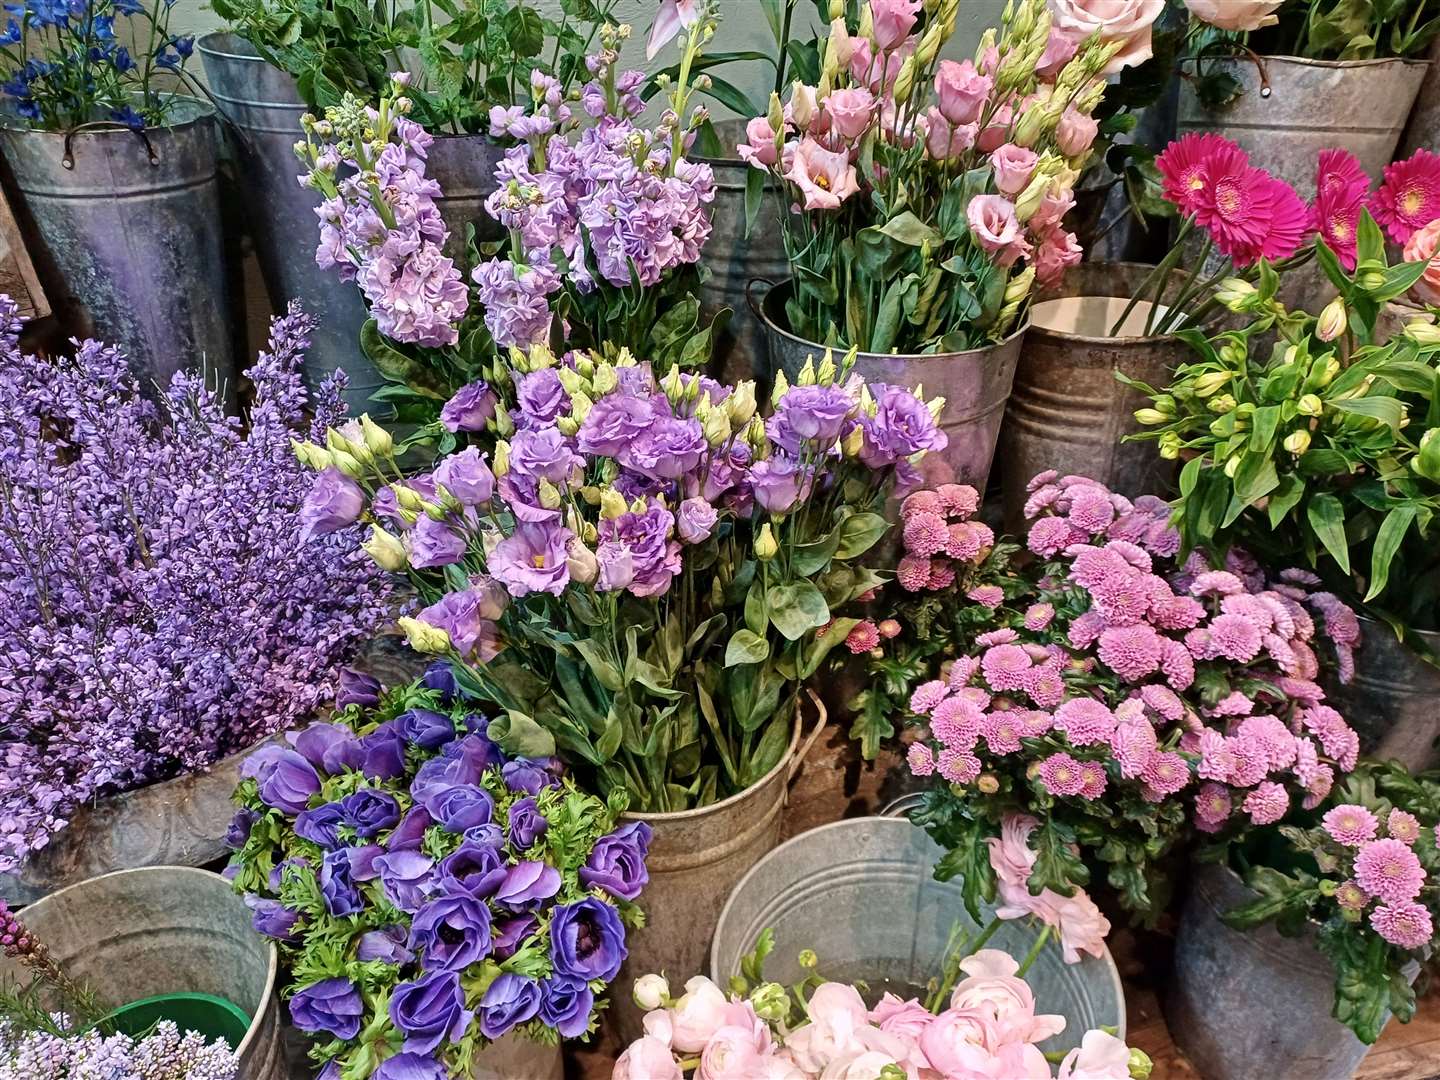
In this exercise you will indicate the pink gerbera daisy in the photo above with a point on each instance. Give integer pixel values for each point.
(1340, 189)
(1409, 196)
(1390, 870)
(1187, 165)
(1407, 924)
(1249, 214)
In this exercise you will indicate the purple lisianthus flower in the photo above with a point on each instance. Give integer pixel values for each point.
(369, 811)
(509, 934)
(426, 729)
(510, 1000)
(451, 933)
(810, 414)
(525, 775)
(527, 824)
(668, 449)
(473, 869)
(337, 888)
(460, 807)
(654, 557)
(434, 543)
(357, 688)
(411, 830)
(409, 1067)
(321, 825)
(617, 862)
(780, 483)
(384, 752)
(466, 476)
(238, 833)
(616, 566)
(901, 426)
(526, 884)
(387, 945)
(696, 520)
(284, 778)
(613, 423)
(472, 407)
(726, 471)
(440, 677)
(565, 1005)
(331, 1071)
(271, 918)
(469, 618)
(535, 558)
(331, 747)
(334, 501)
(587, 941)
(333, 1006)
(541, 396)
(407, 877)
(430, 1011)
(544, 454)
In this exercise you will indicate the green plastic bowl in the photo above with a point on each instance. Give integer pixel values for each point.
(213, 1017)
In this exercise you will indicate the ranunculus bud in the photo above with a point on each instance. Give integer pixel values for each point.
(387, 550)
(1140, 1065)
(1297, 442)
(765, 546)
(651, 992)
(1333, 320)
(771, 1001)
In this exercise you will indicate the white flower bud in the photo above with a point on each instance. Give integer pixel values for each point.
(651, 991)
(387, 550)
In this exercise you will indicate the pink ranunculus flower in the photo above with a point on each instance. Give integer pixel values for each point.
(735, 1052)
(962, 91)
(1235, 14)
(993, 989)
(892, 21)
(862, 1066)
(837, 1015)
(993, 222)
(996, 133)
(697, 1015)
(959, 1042)
(850, 111)
(1076, 132)
(906, 1019)
(759, 145)
(1126, 22)
(1083, 928)
(1423, 246)
(780, 1067)
(824, 177)
(1100, 1056)
(1021, 1061)
(1057, 253)
(647, 1059)
(1013, 165)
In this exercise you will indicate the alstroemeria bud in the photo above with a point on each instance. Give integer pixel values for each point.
(1297, 442)
(1235, 293)
(1221, 404)
(1150, 416)
(1309, 405)
(1211, 382)
(423, 638)
(765, 546)
(1332, 321)
(1170, 446)
(387, 550)
(1422, 332)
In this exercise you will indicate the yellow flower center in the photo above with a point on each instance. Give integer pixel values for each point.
(539, 561)
(1339, 229)
(1412, 201)
(822, 181)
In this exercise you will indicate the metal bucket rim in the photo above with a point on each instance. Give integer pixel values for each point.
(773, 327)
(272, 965)
(202, 109)
(209, 45)
(1375, 61)
(782, 851)
(1036, 330)
(671, 817)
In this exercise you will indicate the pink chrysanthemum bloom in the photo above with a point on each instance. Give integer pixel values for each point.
(1163, 700)
(977, 696)
(1318, 789)
(1408, 925)
(1177, 613)
(957, 766)
(1251, 607)
(956, 723)
(942, 575)
(1164, 774)
(1091, 511)
(1213, 806)
(927, 695)
(1177, 664)
(1341, 622)
(1004, 636)
(964, 540)
(1437, 835)
(1216, 759)
(1280, 651)
(959, 499)
(889, 628)
(1002, 731)
(863, 637)
(1302, 690)
(1132, 744)
(1038, 616)
(1005, 667)
(1235, 638)
(1267, 803)
(1093, 780)
(1085, 721)
(1337, 738)
(1340, 189)
(921, 502)
(1250, 760)
(1033, 722)
(925, 533)
(1041, 499)
(1060, 774)
(1403, 826)
(1133, 554)
(1041, 479)
(1271, 733)
(1307, 760)
(1187, 167)
(913, 573)
(1051, 535)
(920, 759)
(1132, 652)
(1390, 870)
(1122, 598)
(1045, 686)
(1409, 196)
(962, 670)
(1090, 565)
(991, 596)
(1351, 897)
(1219, 582)
(1085, 629)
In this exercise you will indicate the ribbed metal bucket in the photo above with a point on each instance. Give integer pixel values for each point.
(165, 930)
(1360, 105)
(975, 385)
(862, 894)
(464, 167)
(696, 857)
(1392, 700)
(1242, 1005)
(512, 1058)
(733, 258)
(131, 223)
(1067, 411)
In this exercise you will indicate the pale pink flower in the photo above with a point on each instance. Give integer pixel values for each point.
(1075, 132)
(671, 17)
(1082, 927)
(1085, 720)
(1424, 246)
(1060, 774)
(1038, 616)
(957, 766)
(892, 21)
(956, 722)
(1213, 806)
(837, 1015)
(1403, 826)
(905, 1019)
(990, 596)
(1059, 51)
(927, 695)
(850, 111)
(1005, 666)
(921, 759)
(824, 177)
(759, 145)
(647, 1059)
(1125, 22)
(1132, 652)
(1164, 774)
(962, 91)
(944, 140)
(1267, 803)
(735, 1052)
(958, 1043)
(1045, 686)
(697, 1015)
(1058, 251)
(1406, 924)
(993, 222)
(997, 132)
(1093, 780)
(993, 990)
(1002, 732)
(1390, 870)
(1100, 1056)
(1013, 165)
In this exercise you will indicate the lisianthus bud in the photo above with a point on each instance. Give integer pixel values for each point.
(504, 425)
(387, 551)
(1211, 382)
(424, 638)
(347, 464)
(542, 357)
(518, 360)
(905, 81)
(802, 104)
(500, 465)
(807, 373)
(1150, 416)
(550, 497)
(1019, 286)
(651, 992)
(1422, 332)
(377, 439)
(572, 380)
(567, 426)
(780, 388)
(867, 23)
(1309, 405)
(825, 373)
(580, 406)
(604, 379)
(581, 562)
(741, 403)
(612, 504)
(837, 11)
(717, 427)
(765, 546)
(1297, 442)
(935, 406)
(1332, 321)
(853, 442)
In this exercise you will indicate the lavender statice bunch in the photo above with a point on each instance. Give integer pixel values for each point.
(379, 225)
(158, 608)
(164, 1054)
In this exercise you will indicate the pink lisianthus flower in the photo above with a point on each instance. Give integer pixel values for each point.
(1060, 49)
(997, 132)
(1013, 165)
(759, 145)
(1076, 132)
(1424, 246)
(850, 111)
(944, 140)
(824, 177)
(1409, 197)
(962, 91)
(878, 72)
(892, 21)
(993, 222)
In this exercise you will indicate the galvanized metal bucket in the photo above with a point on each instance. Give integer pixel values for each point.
(165, 930)
(464, 167)
(1422, 131)
(1254, 1003)
(130, 223)
(696, 857)
(1392, 700)
(733, 257)
(1067, 411)
(975, 385)
(862, 894)
(1301, 107)
(513, 1057)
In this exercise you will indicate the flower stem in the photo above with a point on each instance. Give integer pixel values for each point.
(1034, 953)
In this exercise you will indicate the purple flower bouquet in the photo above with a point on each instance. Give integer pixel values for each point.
(160, 608)
(431, 894)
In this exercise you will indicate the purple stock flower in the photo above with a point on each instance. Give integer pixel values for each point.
(473, 869)
(901, 426)
(321, 825)
(407, 877)
(357, 688)
(565, 1005)
(430, 1011)
(654, 559)
(533, 559)
(434, 543)
(526, 884)
(451, 933)
(509, 1000)
(517, 312)
(332, 1006)
(334, 501)
(466, 476)
(337, 888)
(387, 945)
(426, 729)
(271, 918)
(780, 483)
(469, 617)
(460, 807)
(285, 779)
(617, 862)
(527, 824)
(587, 941)
(369, 812)
(695, 520)
(409, 1067)
(470, 408)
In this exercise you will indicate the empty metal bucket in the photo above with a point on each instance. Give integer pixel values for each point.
(862, 894)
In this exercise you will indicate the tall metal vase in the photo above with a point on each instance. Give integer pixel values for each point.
(129, 224)
(1391, 701)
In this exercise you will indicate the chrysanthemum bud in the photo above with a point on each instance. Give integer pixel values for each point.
(765, 546)
(387, 550)
(1332, 321)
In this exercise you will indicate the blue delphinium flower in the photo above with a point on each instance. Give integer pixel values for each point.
(11, 36)
(174, 52)
(129, 117)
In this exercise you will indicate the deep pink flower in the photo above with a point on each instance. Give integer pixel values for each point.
(956, 722)
(1408, 925)
(863, 637)
(1187, 165)
(1132, 652)
(1390, 870)
(1340, 189)
(1060, 774)
(1213, 806)
(920, 759)
(913, 573)
(1132, 744)
(1045, 686)
(1085, 720)
(1051, 535)
(991, 596)
(957, 766)
(1005, 667)
(1409, 197)
(1250, 214)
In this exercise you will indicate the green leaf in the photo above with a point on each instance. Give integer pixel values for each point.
(1369, 241)
(797, 608)
(859, 533)
(399, 367)
(524, 31)
(1326, 515)
(837, 632)
(1387, 541)
(1255, 479)
(908, 229)
(606, 671)
(1284, 498)
(1389, 411)
(746, 647)
(520, 736)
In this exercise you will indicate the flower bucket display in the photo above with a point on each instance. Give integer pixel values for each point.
(166, 943)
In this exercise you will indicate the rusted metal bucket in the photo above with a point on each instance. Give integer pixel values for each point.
(166, 930)
(1248, 1004)
(696, 857)
(733, 258)
(975, 385)
(1067, 411)
(1391, 701)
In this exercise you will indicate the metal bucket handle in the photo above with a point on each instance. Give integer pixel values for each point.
(757, 310)
(809, 740)
(67, 158)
